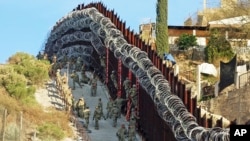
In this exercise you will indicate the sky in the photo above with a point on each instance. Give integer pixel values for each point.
(25, 24)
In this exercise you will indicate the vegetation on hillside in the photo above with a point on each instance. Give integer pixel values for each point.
(218, 48)
(19, 79)
(162, 45)
(186, 41)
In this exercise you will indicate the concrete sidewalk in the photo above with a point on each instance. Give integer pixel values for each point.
(106, 131)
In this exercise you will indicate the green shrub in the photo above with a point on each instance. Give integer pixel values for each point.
(185, 41)
(36, 71)
(50, 131)
(218, 47)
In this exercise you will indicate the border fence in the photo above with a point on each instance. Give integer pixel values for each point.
(147, 112)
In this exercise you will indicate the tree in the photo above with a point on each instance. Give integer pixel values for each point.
(218, 47)
(162, 45)
(185, 41)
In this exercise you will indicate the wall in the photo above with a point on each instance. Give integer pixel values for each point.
(232, 105)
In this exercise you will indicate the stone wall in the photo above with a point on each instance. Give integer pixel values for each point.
(231, 105)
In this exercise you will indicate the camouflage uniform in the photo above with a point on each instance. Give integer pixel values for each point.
(97, 116)
(115, 114)
(114, 79)
(100, 104)
(119, 102)
(131, 133)
(80, 106)
(127, 86)
(133, 96)
(109, 108)
(102, 61)
(75, 78)
(93, 83)
(122, 133)
(86, 114)
(78, 64)
(84, 79)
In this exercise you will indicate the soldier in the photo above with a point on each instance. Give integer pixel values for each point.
(102, 61)
(114, 79)
(133, 114)
(78, 63)
(132, 121)
(133, 96)
(97, 116)
(109, 108)
(127, 86)
(80, 106)
(131, 133)
(115, 114)
(100, 104)
(86, 114)
(68, 97)
(75, 78)
(93, 83)
(122, 133)
(119, 102)
(84, 79)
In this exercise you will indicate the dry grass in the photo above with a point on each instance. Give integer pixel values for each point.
(34, 115)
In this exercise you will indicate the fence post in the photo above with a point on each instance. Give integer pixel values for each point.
(4, 123)
(21, 126)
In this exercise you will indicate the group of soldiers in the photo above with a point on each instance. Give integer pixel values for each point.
(124, 133)
(113, 107)
(64, 90)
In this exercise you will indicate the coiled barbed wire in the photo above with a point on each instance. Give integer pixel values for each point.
(170, 107)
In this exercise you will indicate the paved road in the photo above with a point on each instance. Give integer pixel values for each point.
(106, 131)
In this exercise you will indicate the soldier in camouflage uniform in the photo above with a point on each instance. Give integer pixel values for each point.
(78, 64)
(115, 114)
(84, 79)
(97, 116)
(69, 102)
(114, 79)
(133, 96)
(75, 78)
(109, 108)
(119, 102)
(131, 133)
(80, 106)
(122, 133)
(102, 61)
(127, 86)
(86, 114)
(93, 83)
(100, 105)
